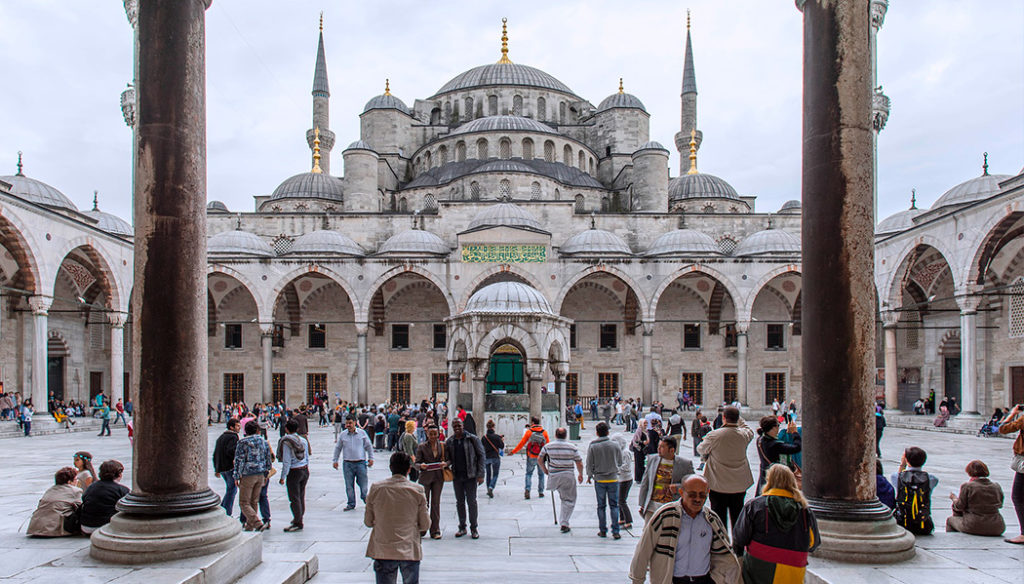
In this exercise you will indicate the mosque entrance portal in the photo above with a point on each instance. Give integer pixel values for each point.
(505, 371)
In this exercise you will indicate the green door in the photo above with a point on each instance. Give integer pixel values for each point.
(505, 374)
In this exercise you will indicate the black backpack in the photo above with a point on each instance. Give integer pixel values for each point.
(914, 502)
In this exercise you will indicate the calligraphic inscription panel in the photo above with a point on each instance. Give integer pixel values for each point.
(504, 254)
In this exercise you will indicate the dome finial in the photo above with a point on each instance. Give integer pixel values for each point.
(620, 85)
(316, 151)
(387, 87)
(593, 220)
(19, 164)
(687, 19)
(238, 221)
(504, 43)
(913, 198)
(693, 152)
(984, 166)
(95, 200)
(321, 21)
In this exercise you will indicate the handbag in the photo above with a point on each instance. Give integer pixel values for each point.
(446, 473)
(1017, 464)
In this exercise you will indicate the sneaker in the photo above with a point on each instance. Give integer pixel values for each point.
(526, 495)
(266, 526)
(474, 534)
(540, 494)
(490, 492)
(616, 535)
(461, 532)
(566, 529)
(349, 508)
(292, 528)
(602, 534)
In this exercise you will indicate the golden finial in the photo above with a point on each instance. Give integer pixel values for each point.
(316, 151)
(687, 19)
(620, 85)
(321, 21)
(387, 87)
(693, 152)
(504, 43)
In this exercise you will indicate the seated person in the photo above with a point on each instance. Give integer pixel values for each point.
(919, 408)
(886, 494)
(914, 493)
(976, 509)
(58, 502)
(100, 498)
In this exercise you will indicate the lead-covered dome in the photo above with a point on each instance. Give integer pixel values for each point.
(768, 242)
(310, 185)
(238, 242)
(622, 100)
(111, 223)
(700, 186)
(386, 101)
(216, 207)
(508, 298)
(899, 222)
(683, 242)
(503, 74)
(326, 241)
(791, 207)
(38, 192)
(595, 242)
(446, 173)
(503, 124)
(972, 190)
(414, 241)
(505, 214)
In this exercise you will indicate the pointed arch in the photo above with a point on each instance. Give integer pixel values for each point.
(488, 276)
(106, 276)
(644, 305)
(266, 310)
(20, 242)
(506, 333)
(730, 287)
(890, 293)
(996, 234)
(363, 313)
(748, 301)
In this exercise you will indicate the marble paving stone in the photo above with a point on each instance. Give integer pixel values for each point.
(605, 564)
(50, 575)
(17, 561)
(158, 576)
(957, 575)
(1014, 576)
(988, 559)
(343, 562)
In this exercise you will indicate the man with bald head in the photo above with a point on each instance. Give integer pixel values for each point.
(685, 542)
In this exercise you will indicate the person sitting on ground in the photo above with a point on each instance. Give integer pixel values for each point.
(886, 494)
(83, 465)
(976, 509)
(100, 499)
(58, 503)
(914, 492)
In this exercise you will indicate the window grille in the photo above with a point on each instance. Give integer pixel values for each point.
(567, 155)
(912, 332)
(775, 337)
(474, 191)
(438, 383)
(492, 105)
(774, 388)
(730, 387)
(504, 188)
(609, 340)
(316, 383)
(401, 385)
(399, 336)
(481, 149)
(572, 387)
(469, 108)
(460, 152)
(317, 336)
(442, 155)
(1017, 309)
(542, 107)
(278, 389)
(232, 336)
(549, 151)
(234, 388)
(607, 385)
(429, 203)
(580, 204)
(694, 383)
(283, 245)
(534, 190)
(581, 161)
(691, 336)
(527, 149)
(505, 149)
(517, 105)
(727, 245)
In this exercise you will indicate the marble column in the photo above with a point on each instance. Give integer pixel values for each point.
(171, 512)
(455, 369)
(267, 370)
(479, 405)
(646, 390)
(559, 369)
(890, 320)
(117, 320)
(969, 354)
(362, 378)
(40, 336)
(741, 363)
(838, 289)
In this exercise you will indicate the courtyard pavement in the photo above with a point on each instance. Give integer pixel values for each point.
(519, 540)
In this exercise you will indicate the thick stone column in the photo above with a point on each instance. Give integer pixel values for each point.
(267, 369)
(890, 320)
(969, 354)
(646, 390)
(838, 290)
(741, 363)
(171, 512)
(40, 336)
(116, 320)
(363, 389)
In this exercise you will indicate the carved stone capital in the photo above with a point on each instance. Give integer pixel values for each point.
(131, 10)
(117, 319)
(40, 305)
(880, 105)
(878, 10)
(128, 101)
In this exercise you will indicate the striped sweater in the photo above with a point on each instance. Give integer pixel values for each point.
(656, 550)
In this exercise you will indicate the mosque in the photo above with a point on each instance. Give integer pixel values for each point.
(504, 240)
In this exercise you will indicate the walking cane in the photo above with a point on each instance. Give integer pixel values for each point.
(553, 507)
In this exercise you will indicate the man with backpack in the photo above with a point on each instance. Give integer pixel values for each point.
(914, 493)
(534, 440)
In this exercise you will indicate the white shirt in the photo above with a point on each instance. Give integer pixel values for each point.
(693, 549)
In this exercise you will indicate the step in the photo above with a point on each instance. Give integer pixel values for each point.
(283, 568)
(45, 426)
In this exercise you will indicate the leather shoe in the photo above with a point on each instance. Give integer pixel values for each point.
(602, 534)
(616, 536)
(460, 533)
(566, 529)
(540, 494)
(474, 534)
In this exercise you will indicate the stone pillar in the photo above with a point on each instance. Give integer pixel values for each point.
(838, 289)
(362, 381)
(479, 388)
(534, 379)
(170, 513)
(455, 369)
(559, 369)
(40, 336)
(969, 354)
(889, 321)
(741, 363)
(116, 320)
(646, 379)
(267, 371)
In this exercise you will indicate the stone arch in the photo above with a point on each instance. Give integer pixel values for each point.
(459, 341)
(505, 333)
(56, 344)
(730, 287)
(488, 276)
(764, 280)
(950, 343)
(245, 281)
(889, 293)
(105, 275)
(997, 233)
(267, 309)
(643, 304)
(363, 313)
(20, 243)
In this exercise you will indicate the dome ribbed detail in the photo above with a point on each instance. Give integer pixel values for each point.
(505, 215)
(700, 186)
(387, 101)
(768, 242)
(111, 223)
(216, 207)
(683, 242)
(790, 208)
(416, 241)
(310, 185)
(595, 242)
(359, 145)
(238, 243)
(326, 242)
(503, 124)
(972, 190)
(898, 222)
(38, 192)
(652, 145)
(626, 100)
(503, 74)
(508, 298)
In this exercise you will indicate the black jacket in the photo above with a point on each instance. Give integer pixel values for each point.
(98, 502)
(224, 451)
(474, 450)
(770, 449)
(492, 442)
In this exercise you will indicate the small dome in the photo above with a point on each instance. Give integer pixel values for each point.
(769, 241)
(790, 208)
(975, 189)
(216, 207)
(505, 215)
(700, 186)
(111, 223)
(615, 100)
(899, 222)
(503, 74)
(238, 242)
(310, 185)
(684, 242)
(415, 241)
(508, 298)
(38, 192)
(503, 124)
(325, 242)
(387, 101)
(595, 242)
(652, 145)
(359, 145)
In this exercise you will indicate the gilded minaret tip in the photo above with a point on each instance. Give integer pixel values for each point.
(693, 152)
(687, 19)
(316, 152)
(620, 85)
(387, 87)
(504, 43)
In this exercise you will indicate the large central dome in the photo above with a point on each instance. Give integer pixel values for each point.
(503, 74)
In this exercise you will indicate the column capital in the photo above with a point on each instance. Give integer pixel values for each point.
(40, 304)
(266, 329)
(742, 326)
(455, 368)
(648, 328)
(890, 318)
(559, 368)
(968, 301)
(117, 319)
(362, 328)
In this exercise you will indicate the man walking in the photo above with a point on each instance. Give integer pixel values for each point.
(534, 440)
(358, 456)
(119, 408)
(396, 513)
(556, 460)
(253, 460)
(220, 410)
(466, 455)
(224, 463)
(728, 472)
(603, 460)
(105, 414)
(664, 474)
(294, 472)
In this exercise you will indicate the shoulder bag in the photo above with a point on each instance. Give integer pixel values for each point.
(446, 473)
(1017, 465)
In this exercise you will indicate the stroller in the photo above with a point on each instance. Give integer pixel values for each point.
(991, 427)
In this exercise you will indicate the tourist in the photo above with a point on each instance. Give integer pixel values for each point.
(356, 451)
(302, 419)
(119, 408)
(100, 499)
(220, 410)
(26, 416)
(430, 458)
(294, 472)
(625, 479)
(677, 428)
(684, 541)
(57, 512)
(665, 472)
(728, 472)
(407, 444)
(919, 407)
(578, 410)
(396, 513)
(466, 455)
(393, 419)
(879, 428)
(1015, 423)
(105, 416)
(224, 463)
(603, 460)
(253, 460)
(557, 459)
(638, 446)
(469, 423)
(534, 440)
(914, 489)
(776, 531)
(943, 418)
(976, 509)
(494, 449)
(698, 429)
(883, 488)
(86, 473)
(769, 448)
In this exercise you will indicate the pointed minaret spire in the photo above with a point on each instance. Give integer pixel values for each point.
(620, 85)
(688, 114)
(19, 165)
(321, 107)
(95, 200)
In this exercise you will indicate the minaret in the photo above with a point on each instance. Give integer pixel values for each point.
(688, 117)
(321, 107)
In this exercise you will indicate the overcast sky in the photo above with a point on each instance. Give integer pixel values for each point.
(954, 71)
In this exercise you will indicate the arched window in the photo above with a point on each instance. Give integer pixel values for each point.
(549, 151)
(517, 105)
(469, 108)
(727, 245)
(455, 114)
(558, 195)
(492, 105)
(474, 191)
(542, 109)
(460, 151)
(435, 116)
(504, 188)
(581, 161)
(567, 155)
(561, 113)
(591, 166)
(527, 149)
(442, 155)
(481, 149)
(580, 204)
(605, 205)
(429, 203)
(447, 111)
(403, 205)
(505, 149)
(534, 191)
(709, 208)
(427, 160)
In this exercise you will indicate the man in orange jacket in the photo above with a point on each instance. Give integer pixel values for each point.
(534, 440)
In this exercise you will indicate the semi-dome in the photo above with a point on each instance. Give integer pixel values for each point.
(111, 223)
(238, 242)
(790, 208)
(359, 145)
(768, 242)
(503, 74)
(683, 242)
(38, 192)
(216, 207)
(503, 124)
(899, 222)
(620, 99)
(326, 241)
(595, 242)
(505, 214)
(508, 298)
(310, 185)
(972, 190)
(414, 241)
(387, 101)
(700, 186)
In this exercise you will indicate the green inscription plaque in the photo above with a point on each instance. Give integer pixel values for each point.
(504, 254)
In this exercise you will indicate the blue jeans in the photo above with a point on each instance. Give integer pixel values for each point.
(387, 571)
(354, 472)
(230, 490)
(607, 493)
(492, 465)
(531, 463)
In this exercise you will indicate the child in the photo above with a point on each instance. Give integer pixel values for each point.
(886, 494)
(914, 492)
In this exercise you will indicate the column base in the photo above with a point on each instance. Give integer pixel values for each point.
(140, 539)
(860, 532)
